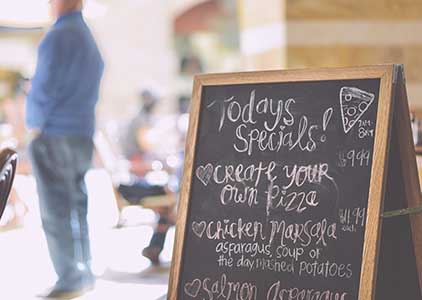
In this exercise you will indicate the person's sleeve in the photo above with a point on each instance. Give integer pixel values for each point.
(46, 84)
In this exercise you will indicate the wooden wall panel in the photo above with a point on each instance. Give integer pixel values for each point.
(354, 9)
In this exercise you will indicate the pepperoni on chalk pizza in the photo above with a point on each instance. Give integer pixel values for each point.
(354, 102)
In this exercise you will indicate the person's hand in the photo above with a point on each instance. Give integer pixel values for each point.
(34, 133)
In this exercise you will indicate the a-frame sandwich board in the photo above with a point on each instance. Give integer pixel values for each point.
(394, 250)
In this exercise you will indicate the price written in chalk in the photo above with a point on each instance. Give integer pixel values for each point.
(354, 158)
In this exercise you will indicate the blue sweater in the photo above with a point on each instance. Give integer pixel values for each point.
(65, 87)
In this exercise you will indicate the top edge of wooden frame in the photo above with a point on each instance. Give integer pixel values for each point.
(295, 75)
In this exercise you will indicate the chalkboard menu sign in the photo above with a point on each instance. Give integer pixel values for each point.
(283, 185)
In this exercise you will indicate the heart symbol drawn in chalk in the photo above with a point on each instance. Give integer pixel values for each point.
(199, 228)
(192, 288)
(204, 173)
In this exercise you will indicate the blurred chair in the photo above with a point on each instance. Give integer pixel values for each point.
(115, 167)
(8, 162)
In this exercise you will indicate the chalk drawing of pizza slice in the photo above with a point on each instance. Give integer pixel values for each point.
(354, 102)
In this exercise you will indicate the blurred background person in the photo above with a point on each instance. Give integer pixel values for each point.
(141, 155)
(60, 114)
(134, 144)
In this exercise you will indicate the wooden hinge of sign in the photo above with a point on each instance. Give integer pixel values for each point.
(403, 212)
(398, 69)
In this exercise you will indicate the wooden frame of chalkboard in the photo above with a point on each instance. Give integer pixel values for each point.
(387, 74)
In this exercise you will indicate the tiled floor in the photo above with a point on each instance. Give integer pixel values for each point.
(123, 273)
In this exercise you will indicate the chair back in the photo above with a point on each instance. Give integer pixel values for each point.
(8, 161)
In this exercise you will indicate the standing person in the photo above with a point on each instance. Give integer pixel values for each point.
(61, 118)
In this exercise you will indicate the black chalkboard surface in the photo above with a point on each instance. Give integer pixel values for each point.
(283, 186)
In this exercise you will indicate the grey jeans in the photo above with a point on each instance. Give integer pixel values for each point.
(59, 165)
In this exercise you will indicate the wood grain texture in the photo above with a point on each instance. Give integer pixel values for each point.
(318, 55)
(409, 168)
(363, 72)
(354, 10)
(183, 206)
(377, 187)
